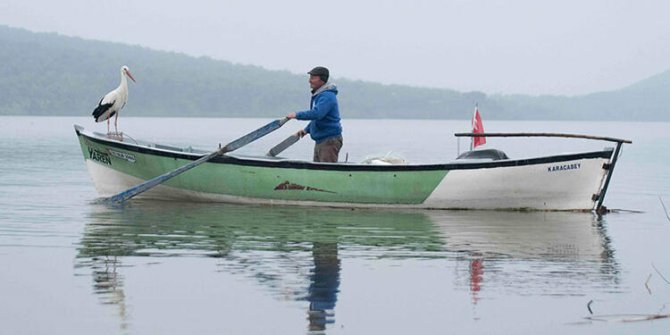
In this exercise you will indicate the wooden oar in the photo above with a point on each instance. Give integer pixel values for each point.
(234, 145)
(289, 141)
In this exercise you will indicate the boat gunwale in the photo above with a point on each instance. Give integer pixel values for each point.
(293, 164)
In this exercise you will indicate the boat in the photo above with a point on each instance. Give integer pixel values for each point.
(477, 179)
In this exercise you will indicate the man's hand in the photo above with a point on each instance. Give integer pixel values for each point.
(301, 133)
(291, 115)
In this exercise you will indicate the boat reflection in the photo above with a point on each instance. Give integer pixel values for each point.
(529, 253)
(291, 251)
(295, 253)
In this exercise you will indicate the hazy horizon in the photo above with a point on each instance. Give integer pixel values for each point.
(520, 47)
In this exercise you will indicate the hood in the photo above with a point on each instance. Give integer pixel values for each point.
(325, 87)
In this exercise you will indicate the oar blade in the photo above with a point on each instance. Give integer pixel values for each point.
(289, 141)
(151, 183)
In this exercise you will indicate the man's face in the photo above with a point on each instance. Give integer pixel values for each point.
(315, 82)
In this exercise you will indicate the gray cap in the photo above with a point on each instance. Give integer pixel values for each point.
(321, 72)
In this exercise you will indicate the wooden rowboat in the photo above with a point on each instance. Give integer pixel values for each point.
(480, 179)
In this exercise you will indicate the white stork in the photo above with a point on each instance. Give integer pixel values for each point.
(111, 104)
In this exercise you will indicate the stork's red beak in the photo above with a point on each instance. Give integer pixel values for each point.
(130, 75)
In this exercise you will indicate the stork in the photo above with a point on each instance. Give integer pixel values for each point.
(111, 104)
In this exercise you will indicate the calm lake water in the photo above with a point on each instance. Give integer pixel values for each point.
(71, 266)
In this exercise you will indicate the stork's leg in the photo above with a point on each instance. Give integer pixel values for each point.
(107, 126)
(116, 119)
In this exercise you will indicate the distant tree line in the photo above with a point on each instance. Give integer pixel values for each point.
(49, 74)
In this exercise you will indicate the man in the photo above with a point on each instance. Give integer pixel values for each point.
(324, 115)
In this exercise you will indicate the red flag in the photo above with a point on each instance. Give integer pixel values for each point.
(477, 128)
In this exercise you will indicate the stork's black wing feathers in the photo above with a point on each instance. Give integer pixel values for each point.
(101, 109)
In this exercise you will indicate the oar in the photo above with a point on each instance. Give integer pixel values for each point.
(234, 145)
(289, 141)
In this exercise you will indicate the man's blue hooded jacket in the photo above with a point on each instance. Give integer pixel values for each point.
(324, 114)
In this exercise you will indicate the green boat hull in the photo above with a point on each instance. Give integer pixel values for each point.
(266, 182)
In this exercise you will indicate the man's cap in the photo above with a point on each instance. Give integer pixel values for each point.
(319, 71)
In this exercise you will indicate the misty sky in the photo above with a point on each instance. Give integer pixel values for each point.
(516, 46)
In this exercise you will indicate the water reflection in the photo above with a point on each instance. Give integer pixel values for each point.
(296, 253)
(534, 253)
(291, 251)
(323, 285)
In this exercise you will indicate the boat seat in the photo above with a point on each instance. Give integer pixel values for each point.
(492, 154)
